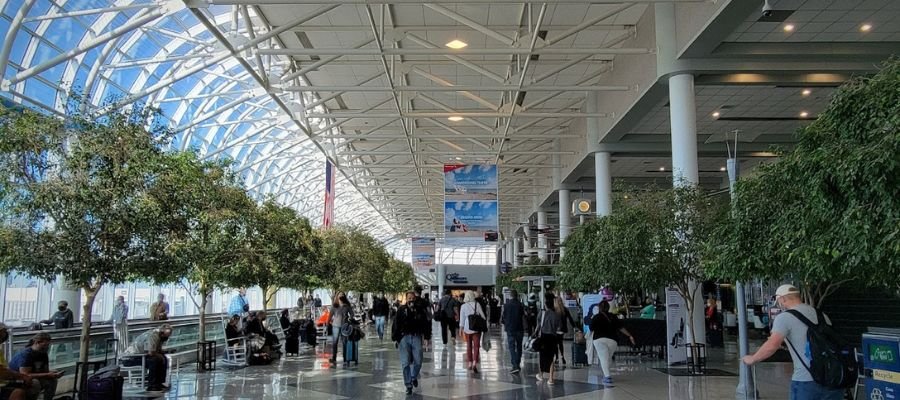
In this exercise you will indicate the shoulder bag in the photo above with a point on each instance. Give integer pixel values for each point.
(477, 322)
(534, 344)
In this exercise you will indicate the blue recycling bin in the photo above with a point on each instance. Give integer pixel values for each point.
(881, 360)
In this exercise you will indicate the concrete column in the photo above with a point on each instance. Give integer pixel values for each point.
(592, 124)
(683, 114)
(603, 183)
(542, 237)
(685, 170)
(515, 251)
(441, 275)
(565, 218)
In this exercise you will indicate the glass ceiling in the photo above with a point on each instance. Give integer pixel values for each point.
(223, 100)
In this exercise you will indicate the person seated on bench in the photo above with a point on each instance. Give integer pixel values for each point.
(256, 326)
(34, 362)
(233, 330)
(9, 388)
(149, 347)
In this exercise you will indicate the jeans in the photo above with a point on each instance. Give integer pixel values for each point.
(336, 340)
(156, 366)
(605, 348)
(411, 358)
(379, 326)
(514, 343)
(810, 390)
(46, 386)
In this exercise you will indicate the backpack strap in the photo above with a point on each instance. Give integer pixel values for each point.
(802, 318)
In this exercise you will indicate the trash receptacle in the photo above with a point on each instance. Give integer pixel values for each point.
(881, 362)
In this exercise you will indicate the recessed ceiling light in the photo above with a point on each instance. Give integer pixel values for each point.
(804, 114)
(455, 118)
(789, 28)
(662, 168)
(457, 158)
(721, 168)
(626, 197)
(716, 114)
(865, 27)
(456, 44)
(806, 92)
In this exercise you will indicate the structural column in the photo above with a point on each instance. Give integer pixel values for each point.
(603, 183)
(565, 219)
(542, 237)
(515, 251)
(683, 114)
(440, 276)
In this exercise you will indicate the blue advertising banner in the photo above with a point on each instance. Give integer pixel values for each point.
(422, 253)
(471, 209)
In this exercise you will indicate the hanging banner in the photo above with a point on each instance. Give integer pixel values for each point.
(330, 179)
(675, 330)
(422, 253)
(471, 210)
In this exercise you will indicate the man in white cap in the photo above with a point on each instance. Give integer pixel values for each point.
(789, 327)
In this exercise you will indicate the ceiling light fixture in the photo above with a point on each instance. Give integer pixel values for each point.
(662, 168)
(457, 158)
(806, 92)
(721, 168)
(804, 114)
(456, 44)
(455, 118)
(789, 28)
(716, 114)
(865, 27)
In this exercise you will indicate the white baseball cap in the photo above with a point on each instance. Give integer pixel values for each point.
(786, 289)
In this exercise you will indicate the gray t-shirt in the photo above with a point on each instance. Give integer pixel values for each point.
(794, 331)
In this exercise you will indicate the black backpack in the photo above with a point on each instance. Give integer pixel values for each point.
(833, 363)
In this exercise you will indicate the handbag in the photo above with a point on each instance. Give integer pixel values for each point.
(477, 323)
(535, 343)
(486, 342)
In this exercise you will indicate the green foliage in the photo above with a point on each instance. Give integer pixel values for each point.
(398, 278)
(82, 200)
(530, 267)
(211, 213)
(281, 250)
(351, 259)
(829, 211)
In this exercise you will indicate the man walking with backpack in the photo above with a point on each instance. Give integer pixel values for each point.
(513, 316)
(448, 308)
(822, 366)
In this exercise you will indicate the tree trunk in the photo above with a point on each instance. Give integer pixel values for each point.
(90, 293)
(204, 295)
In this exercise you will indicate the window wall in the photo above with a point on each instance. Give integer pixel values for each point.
(27, 300)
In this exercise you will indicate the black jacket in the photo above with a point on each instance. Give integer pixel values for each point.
(411, 319)
(512, 316)
(380, 307)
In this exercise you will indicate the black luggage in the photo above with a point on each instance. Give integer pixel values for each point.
(351, 352)
(292, 345)
(579, 355)
(715, 338)
(311, 333)
(105, 384)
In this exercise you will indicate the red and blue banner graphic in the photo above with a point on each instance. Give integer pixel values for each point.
(330, 178)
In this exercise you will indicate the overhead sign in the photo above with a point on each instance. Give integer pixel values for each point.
(471, 209)
(423, 253)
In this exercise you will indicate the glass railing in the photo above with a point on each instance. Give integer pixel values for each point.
(66, 343)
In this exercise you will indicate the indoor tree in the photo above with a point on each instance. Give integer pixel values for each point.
(827, 212)
(214, 212)
(280, 250)
(80, 200)
(351, 259)
(398, 277)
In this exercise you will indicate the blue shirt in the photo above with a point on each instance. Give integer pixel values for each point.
(28, 358)
(237, 305)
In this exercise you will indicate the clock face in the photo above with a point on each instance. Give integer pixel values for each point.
(584, 206)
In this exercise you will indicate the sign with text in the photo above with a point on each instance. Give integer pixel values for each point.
(422, 253)
(675, 327)
(471, 209)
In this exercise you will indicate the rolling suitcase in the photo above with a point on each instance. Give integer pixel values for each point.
(351, 352)
(579, 355)
(105, 384)
(292, 345)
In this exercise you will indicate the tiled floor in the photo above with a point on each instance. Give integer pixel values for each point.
(378, 376)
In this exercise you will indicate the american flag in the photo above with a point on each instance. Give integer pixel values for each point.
(329, 193)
